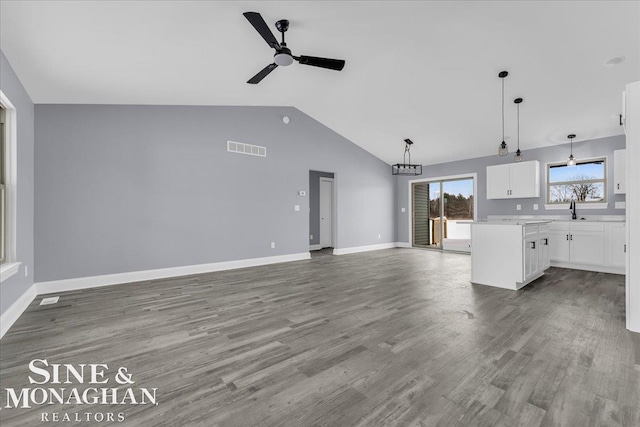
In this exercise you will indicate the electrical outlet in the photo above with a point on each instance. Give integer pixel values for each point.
(518, 207)
(26, 271)
(379, 236)
(296, 208)
(535, 206)
(403, 210)
(273, 245)
(311, 237)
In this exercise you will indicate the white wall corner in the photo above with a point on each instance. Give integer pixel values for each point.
(9, 317)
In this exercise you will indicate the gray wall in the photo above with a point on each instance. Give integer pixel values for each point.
(584, 149)
(129, 188)
(314, 204)
(14, 287)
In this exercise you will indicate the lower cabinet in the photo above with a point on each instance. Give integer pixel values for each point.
(593, 246)
(508, 255)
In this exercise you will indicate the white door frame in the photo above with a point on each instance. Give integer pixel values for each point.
(333, 210)
(473, 175)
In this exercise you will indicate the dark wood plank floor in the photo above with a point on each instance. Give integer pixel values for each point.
(392, 337)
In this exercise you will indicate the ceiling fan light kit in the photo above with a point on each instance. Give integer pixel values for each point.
(405, 168)
(283, 56)
(503, 149)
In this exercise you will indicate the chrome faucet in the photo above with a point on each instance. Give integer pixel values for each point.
(572, 208)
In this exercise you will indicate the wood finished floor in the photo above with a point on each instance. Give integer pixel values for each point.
(393, 337)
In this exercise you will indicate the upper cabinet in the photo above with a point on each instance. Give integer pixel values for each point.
(513, 180)
(619, 171)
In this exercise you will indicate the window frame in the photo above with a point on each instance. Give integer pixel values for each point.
(10, 264)
(600, 204)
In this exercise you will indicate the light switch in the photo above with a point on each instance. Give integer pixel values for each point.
(518, 207)
(296, 208)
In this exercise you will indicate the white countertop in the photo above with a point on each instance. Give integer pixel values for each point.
(512, 222)
(557, 218)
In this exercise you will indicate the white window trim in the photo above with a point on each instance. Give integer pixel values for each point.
(11, 266)
(580, 205)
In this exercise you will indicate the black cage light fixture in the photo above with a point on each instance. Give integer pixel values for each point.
(405, 168)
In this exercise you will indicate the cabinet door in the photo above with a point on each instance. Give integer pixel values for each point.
(586, 247)
(525, 179)
(616, 248)
(619, 171)
(530, 257)
(498, 186)
(543, 255)
(559, 245)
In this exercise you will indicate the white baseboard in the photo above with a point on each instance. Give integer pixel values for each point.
(358, 249)
(596, 268)
(315, 247)
(9, 317)
(162, 273)
(403, 245)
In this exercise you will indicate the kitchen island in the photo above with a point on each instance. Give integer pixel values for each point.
(509, 254)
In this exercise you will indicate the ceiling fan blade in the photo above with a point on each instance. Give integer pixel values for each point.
(314, 61)
(262, 74)
(261, 27)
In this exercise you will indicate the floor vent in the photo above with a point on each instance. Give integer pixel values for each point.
(242, 148)
(49, 300)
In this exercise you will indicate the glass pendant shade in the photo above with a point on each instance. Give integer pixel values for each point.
(503, 149)
(518, 157)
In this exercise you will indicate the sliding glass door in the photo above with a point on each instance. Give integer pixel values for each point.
(441, 213)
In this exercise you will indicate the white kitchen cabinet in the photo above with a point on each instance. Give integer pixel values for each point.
(530, 251)
(587, 246)
(619, 171)
(615, 244)
(544, 260)
(508, 254)
(513, 180)
(559, 242)
(586, 243)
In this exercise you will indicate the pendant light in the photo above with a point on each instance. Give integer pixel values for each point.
(503, 150)
(571, 161)
(405, 168)
(518, 156)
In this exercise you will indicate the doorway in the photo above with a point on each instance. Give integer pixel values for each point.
(442, 210)
(326, 212)
(321, 210)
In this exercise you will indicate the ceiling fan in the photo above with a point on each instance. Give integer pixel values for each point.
(283, 56)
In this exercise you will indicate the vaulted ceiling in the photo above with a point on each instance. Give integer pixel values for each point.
(416, 69)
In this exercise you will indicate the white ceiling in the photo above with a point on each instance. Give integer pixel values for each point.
(420, 70)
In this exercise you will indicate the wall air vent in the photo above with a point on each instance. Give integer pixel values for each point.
(242, 148)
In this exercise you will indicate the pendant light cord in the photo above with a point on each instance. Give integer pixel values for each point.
(518, 112)
(571, 139)
(503, 108)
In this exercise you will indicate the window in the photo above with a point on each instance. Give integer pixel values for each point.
(585, 182)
